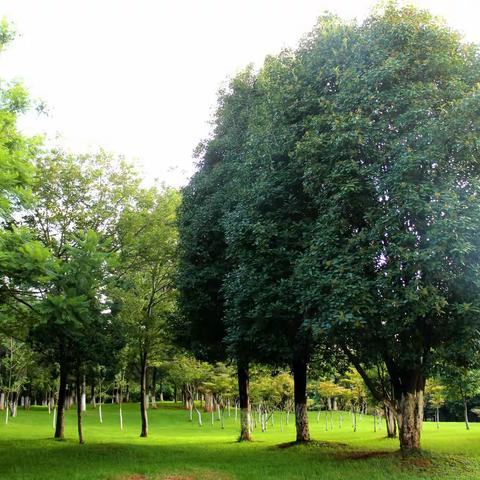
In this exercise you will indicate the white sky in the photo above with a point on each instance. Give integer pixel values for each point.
(139, 77)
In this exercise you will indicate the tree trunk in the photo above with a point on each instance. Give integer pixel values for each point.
(300, 396)
(14, 404)
(465, 409)
(154, 387)
(390, 421)
(143, 394)
(92, 395)
(80, 392)
(83, 397)
(410, 411)
(62, 395)
(120, 411)
(243, 384)
(208, 406)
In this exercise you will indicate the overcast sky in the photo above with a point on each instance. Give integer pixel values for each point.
(139, 77)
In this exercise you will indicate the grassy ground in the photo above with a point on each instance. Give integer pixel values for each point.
(179, 450)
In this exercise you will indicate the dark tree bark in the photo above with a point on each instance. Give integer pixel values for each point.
(300, 396)
(78, 390)
(62, 395)
(243, 393)
(143, 394)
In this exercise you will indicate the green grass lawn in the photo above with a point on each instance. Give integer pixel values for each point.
(179, 450)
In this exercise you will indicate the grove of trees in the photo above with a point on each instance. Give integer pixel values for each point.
(325, 255)
(336, 208)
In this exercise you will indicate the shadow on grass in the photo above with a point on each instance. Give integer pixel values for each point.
(33, 459)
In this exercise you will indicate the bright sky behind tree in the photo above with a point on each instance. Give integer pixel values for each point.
(140, 77)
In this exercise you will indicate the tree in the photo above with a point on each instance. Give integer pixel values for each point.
(21, 259)
(16, 150)
(15, 360)
(266, 232)
(391, 161)
(356, 393)
(460, 384)
(72, 326)
(435, 393)
(145, 291)
(203, 258)
(77, 202)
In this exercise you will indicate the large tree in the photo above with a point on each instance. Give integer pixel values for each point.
(203, 260)
(391, 159)
(266, 231)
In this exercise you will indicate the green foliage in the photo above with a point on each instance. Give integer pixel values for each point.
(460, 384)
(72, 322)
(390, 160)
(143, 290)
(77, 193)
(272, 391)
(16, 150)
(435, 393)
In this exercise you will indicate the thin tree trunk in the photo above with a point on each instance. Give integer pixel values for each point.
(78, 389)
(161, 392)
(83, 397)
(300, 396)
(92, 394)
(154, 387)
(62, 394)
(143, 394)
(243, 384)
(465, 409)
(390, 421)
(120, 413)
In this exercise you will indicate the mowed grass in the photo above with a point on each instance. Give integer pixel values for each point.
(178, 449)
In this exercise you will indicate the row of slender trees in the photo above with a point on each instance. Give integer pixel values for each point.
(335, 213)
(87, 261)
